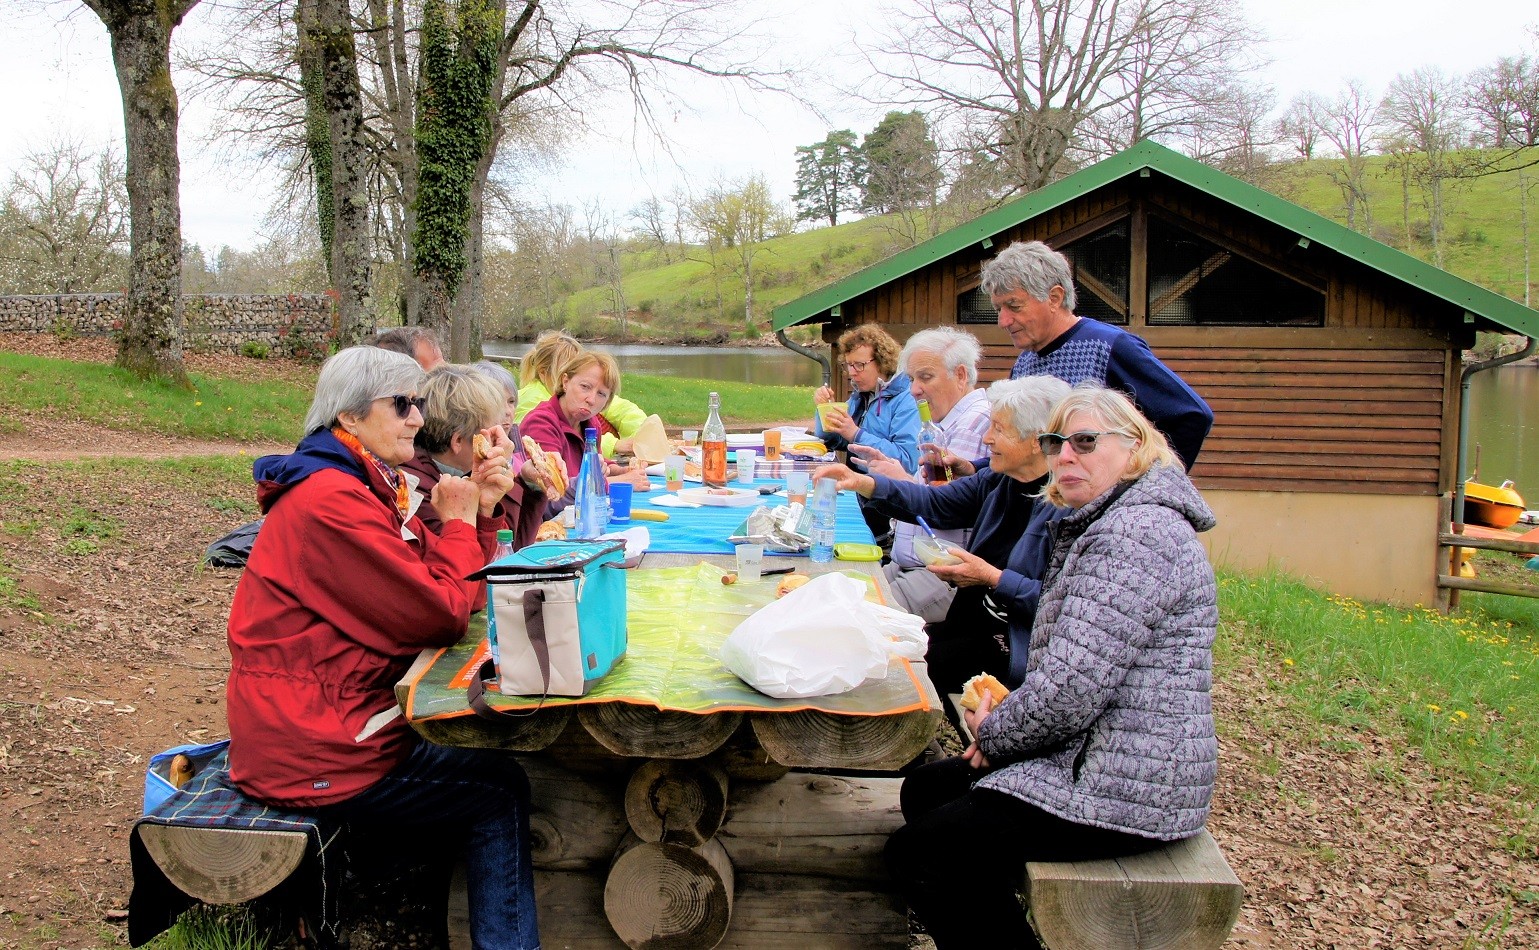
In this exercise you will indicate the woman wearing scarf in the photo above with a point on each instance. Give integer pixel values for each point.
(344, 587)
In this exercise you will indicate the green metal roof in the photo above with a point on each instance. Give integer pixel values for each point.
(1146, 154)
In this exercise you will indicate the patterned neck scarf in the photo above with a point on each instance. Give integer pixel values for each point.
(390, 475)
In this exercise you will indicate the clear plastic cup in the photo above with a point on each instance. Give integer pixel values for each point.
(691, 436)
(750, 560)
(673, 472)
(746, 459)
(796, 487)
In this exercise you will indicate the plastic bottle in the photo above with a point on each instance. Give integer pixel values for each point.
(504, 548)
(932, 467)
(592, 495)
(824, 500)
(713, 448)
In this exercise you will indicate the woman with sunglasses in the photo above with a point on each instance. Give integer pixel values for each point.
(344, 587)
(1107, 748)
(987, 627)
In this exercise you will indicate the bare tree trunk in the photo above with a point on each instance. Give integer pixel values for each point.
(151, 344)
(330, 28)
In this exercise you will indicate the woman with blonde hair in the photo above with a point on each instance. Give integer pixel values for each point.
(586, 385)
(539, 372)
(1107, 748)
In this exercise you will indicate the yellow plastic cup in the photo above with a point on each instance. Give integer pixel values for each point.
(824, 408)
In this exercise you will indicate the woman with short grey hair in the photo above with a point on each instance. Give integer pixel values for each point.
(1107, 746)
(988, 625)
(344, 588)
(501, 375)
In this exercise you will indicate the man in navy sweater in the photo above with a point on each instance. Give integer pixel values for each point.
(1033, 288)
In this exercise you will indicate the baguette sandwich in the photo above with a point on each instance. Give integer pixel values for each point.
(550, 463)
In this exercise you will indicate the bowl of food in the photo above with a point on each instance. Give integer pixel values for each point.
(929, 552)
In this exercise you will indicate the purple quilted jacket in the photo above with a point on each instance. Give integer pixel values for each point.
(1113, 726)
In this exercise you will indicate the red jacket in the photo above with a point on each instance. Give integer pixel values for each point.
(547, 425)
(334, 605)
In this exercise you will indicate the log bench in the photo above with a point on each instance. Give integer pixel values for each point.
(1183, 896)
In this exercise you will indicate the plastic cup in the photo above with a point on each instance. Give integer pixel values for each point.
(771, 445)
(691, 436)
(745, 465)
(750, 560)
(620, 494)
(796, 487)
(824, 408)
(673, 472)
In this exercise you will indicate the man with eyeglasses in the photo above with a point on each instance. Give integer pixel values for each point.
(1033, 288)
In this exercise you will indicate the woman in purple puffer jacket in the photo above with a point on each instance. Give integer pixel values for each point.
(1107, 748)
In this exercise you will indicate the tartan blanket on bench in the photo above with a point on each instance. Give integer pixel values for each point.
(211, 800)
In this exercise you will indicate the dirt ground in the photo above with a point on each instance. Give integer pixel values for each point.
(111, 654)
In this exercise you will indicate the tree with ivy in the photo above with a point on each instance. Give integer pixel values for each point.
(151, 341)
(551, 57)
(829, 176)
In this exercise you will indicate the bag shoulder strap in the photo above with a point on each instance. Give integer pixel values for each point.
(534, 624)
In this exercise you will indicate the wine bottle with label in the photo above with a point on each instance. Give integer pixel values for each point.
(713, 447)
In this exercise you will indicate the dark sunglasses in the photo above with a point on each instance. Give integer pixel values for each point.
(1084, 442)
(404, 403)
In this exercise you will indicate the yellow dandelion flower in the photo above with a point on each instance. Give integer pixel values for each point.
(1435, 707)
(1287, 661)
(198, 403)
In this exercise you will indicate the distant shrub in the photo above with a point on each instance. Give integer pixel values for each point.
(254, 349)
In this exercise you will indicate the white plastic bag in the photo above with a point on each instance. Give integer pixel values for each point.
(821, 639)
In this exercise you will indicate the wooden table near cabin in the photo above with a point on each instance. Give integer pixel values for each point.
(686, 823)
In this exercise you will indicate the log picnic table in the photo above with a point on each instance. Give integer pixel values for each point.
(666, 813)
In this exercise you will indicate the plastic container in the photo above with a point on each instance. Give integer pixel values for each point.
(824, 499)
(504, 548)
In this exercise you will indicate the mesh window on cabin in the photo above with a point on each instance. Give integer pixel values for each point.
(974, 307)
(1100, 263)
(1194, 282)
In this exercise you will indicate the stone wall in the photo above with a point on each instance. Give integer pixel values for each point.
(297, 325)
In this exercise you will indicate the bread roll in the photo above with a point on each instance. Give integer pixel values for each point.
(789, 583)
(481, 446)
(974, 689)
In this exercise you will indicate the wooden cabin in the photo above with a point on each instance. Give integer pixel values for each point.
(1331, 361)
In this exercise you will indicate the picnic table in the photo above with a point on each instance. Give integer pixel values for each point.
(666, 811)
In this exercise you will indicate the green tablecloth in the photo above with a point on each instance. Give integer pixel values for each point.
(678, 619)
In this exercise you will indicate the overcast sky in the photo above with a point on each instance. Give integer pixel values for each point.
(55, 64)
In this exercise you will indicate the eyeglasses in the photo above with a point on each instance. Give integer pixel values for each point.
(856, 367)
(1083, 442)
(403, 403)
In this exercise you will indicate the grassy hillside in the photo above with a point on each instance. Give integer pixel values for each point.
(1484, 243)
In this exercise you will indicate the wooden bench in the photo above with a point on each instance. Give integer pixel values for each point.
(220, 866)
(1183, 896)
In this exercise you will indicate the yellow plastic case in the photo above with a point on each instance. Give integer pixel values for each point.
(855, 551)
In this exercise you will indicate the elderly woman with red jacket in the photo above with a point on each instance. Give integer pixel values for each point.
(344, 587)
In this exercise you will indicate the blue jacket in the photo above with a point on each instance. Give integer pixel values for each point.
(1113, 356)
(891, 424)
(1011, 534)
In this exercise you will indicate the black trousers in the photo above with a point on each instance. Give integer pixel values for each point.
(962, 855)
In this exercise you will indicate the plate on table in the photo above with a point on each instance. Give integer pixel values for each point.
(720, 497)
(744, 440)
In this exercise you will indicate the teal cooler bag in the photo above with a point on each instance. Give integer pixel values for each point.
(556, 620)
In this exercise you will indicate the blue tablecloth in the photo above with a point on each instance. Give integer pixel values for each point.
(705, 530)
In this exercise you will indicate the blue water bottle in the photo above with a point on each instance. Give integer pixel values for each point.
(824, 498)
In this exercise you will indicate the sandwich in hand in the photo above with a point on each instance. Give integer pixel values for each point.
(550, 464)
(975, 689)
(481, 446)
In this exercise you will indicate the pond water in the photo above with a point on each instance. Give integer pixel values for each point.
(761, 365)
(1504, 422)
